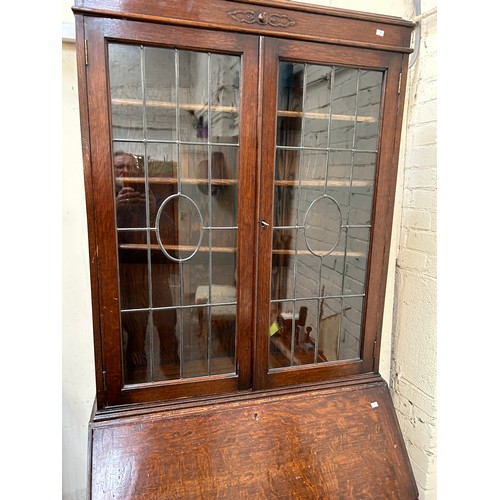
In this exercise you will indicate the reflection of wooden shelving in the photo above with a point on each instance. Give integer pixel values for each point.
(192, 248)
(174, 180)
(177, 248)
(321, 183)
(232, 109)
(173, 105)
(231, 182)
(336, 253)
(325, 116)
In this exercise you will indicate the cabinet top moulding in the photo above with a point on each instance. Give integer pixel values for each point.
(278, 18)
(330, 11)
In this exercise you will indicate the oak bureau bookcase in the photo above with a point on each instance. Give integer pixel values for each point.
(240, 167)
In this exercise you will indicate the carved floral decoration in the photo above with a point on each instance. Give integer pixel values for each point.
(264, 18)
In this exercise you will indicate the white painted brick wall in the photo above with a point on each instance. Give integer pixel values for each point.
(413, 366)
(413, 360)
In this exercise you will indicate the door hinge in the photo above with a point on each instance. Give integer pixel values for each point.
(104, 384)
(374, 348)
(86, 48)
(399, 83)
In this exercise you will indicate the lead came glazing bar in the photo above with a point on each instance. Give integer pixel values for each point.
(209, 175)
(189, 306)
(329, 127)
(301, 160)
(343, 226)
(150, 327)
(180, 264)
(323, 148)
(274, 301)
(183, 142)
(341, 321)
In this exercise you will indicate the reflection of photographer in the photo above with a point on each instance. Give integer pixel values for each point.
(141, 281)
(130, 192)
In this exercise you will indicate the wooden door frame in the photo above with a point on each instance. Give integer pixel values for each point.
(272, 51)
(98, 32)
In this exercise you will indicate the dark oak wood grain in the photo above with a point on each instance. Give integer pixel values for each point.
(325, 443)
(91, 216)
(309, 22)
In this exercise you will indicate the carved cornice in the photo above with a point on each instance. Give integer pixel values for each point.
(264, 18)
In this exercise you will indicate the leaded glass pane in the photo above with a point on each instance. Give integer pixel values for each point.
(326, 155)
(175, 124)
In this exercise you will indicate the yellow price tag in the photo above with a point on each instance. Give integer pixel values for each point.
(273, 329)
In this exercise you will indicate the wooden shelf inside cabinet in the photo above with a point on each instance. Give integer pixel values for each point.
(233, 182)
(175, 180)
(328, 184)
(174, 105)
(218, 249)
(325, 116)
(177, 248)
(335, 253)
(233, 109)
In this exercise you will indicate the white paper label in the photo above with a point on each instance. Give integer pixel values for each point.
(380, 32)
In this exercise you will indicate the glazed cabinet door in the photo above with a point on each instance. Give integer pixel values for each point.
(173, 134)
(327, 166)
